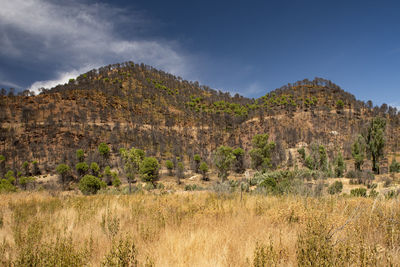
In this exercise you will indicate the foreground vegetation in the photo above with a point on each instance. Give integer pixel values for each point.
(197, 229)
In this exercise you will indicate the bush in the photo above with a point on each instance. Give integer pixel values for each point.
(170, 166)
(122, 253)
(80, 155)
(395, 166)
(94, 167)
(90, 184)
(82, 168)
(149, 169)
(335, 188)
(25, 181)
(204, 170)
(6, 186)
(358, 192)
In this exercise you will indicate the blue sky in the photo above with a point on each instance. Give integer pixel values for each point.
(249, 47)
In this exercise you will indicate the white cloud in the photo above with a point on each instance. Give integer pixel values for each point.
(61, 78)
(72, 34)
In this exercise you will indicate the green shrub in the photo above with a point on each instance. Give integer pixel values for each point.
(203, 168)
(90, 184)
(170, 166)
(94, 167)
(25, 181)
(6, 186)
(335, 188)
(82, 168)
(358, 192)
(80, 155)
(395, 166)
(149, 169)
(302, 153)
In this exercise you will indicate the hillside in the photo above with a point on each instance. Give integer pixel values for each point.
(136, 105)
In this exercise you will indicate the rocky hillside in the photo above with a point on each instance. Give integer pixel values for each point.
(129, 104)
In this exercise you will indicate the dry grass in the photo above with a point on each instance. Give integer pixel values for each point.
(203, 229)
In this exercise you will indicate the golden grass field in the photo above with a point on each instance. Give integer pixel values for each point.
(197, 229)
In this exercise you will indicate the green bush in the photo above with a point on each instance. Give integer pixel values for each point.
(335, 188)
(395, 166)
(6, 186)
(203, 168)
(90, 184)
(82, 168)
(94, 167)
(170, 166)
(358, 192)
(149, 169)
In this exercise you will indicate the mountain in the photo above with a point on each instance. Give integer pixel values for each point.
(136, 105)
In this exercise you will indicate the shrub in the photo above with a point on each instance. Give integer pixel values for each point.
(90, 184)
(6, 186)
(81, 168)
(314, 245)
(149, 169)
(36, 169)
(302, 153)
(25, 181)
(94, 167)
(104, 150)
(339, 104)
(223, 158)
(170, 166)
(335, 188)
(122, 253)
(358, 192)
(63, 171)
(196, 160)
(204, 170)
(116, 182)
(80, 155)
(395, 166)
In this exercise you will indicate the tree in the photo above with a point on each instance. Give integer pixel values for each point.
(107, 175)
(132, 159)
(203, 168)
(149, 168)
(339, 104)
(94, 167)
(223, 158)
(64, 173)
(261, 152)
(196, 160)
(375, 140)
(36, 169)
(358, 152)
(170, 166)
(80, 155)
(238, 165)
(81, 168)
(340, 166)
(104, 151)
(89, 184)
(25, 167)
(180, 172)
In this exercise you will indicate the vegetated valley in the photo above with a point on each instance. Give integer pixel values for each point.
(127, 165)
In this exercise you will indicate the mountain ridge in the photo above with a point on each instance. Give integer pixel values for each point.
(132, 104)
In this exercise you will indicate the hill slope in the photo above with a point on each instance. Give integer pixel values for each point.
(136, 105)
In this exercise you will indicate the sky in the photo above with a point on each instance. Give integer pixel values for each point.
(246, 47)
